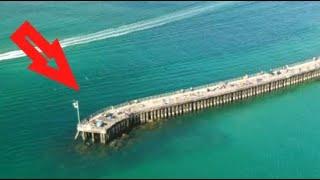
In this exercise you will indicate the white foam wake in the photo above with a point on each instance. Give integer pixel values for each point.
(126, 29)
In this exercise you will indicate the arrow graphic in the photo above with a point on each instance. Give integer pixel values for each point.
(38, 49)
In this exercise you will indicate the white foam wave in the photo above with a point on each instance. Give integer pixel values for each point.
(126, 29)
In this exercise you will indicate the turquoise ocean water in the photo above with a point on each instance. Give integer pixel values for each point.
(275, 135)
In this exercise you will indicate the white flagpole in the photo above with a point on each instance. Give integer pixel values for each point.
(76, 105)
(78, 113)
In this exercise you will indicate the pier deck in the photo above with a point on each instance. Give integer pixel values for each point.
(116, 119)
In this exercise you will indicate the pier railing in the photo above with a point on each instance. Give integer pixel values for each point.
(295, 64)
(169, 93)
(193, 88)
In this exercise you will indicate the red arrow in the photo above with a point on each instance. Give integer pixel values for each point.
(29, 40)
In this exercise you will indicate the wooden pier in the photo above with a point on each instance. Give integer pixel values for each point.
(112, 122)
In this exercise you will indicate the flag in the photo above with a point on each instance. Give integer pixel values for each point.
(75, 104)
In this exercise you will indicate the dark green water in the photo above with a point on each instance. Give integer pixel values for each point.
(275, 135)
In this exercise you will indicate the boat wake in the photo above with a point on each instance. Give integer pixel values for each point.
(126, 29)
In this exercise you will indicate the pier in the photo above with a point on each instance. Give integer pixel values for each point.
(112, 122)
